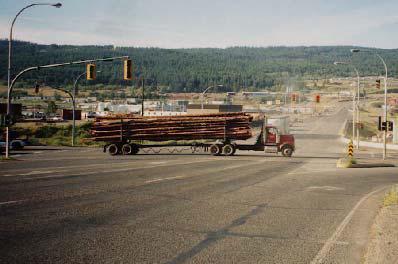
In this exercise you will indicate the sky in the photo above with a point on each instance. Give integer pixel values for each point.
(205, 23)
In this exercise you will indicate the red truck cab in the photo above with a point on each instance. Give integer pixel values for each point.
(283, 143)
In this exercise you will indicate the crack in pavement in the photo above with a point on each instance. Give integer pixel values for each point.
(214, 236)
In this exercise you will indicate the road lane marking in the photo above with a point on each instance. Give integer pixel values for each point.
(326, 188)
(164, 179)
(36, 172)
(118, 170)
(29, 173)
(145, 167)
(67, 168)
(11, 202)
(322, 254)
(158, 162)
(217, 170)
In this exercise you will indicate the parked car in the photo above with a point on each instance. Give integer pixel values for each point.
(15, 144)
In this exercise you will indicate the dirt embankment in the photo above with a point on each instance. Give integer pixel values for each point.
(383, 246)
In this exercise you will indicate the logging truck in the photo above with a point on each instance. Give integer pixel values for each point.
(223, 134)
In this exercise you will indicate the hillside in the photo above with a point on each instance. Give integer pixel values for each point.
(192, 70)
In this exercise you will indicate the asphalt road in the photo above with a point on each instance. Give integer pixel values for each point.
(62, 205)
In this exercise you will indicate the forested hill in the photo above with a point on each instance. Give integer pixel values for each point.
(192, 70)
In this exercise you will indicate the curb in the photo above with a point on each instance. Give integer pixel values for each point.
(370, 144)
(373, 165)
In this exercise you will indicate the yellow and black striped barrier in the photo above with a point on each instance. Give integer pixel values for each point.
(350, 149)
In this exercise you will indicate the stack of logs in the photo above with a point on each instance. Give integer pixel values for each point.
(118, 128)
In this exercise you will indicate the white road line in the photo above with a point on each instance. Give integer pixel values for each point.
(116, 170)
(322, 254)
(36, 172)
(29, 173)
(218, 170)
(67, 168)
(327, 188)
(143, 167)
(158, 162)
(11, 202)
(164, 179)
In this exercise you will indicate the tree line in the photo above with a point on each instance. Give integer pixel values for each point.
(192, 70)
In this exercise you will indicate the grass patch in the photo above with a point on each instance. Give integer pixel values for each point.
(3, 158)
(391, 198)
(57, 135)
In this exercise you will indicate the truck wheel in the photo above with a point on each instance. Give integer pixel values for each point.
(113, 149)
(287, 151)
(228, 150)
(127, 149)
(215, 150)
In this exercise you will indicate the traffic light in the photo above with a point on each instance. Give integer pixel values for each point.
(127, 70)
(385, 126)
(318, 98)
(90, 72)
(390, 126)
(37, 86)
(378, 83)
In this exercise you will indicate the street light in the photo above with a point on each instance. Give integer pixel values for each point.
(354, 108)
(56, 5)
(208, 88)
(385, 97)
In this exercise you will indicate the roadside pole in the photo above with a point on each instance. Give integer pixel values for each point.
(355, 106)
(385, 96)
(9, 84)
(73, 111)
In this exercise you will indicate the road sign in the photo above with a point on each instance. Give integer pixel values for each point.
(350, 149)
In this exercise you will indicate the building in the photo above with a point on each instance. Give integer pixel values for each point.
(210, 108)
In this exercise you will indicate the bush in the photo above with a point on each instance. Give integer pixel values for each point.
(46, 131)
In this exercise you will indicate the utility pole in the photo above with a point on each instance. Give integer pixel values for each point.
(143, 95)
(355, 106)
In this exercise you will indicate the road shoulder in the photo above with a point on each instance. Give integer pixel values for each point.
(383, 244)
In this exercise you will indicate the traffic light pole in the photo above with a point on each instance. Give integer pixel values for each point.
(72, 96)
(11, 86)
(385, 107)
(385, 97)
(357, 108)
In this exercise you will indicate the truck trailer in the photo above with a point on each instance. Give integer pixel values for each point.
(219, 134)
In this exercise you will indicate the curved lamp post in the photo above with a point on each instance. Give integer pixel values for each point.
(208, 88)
(73, 97)
(57, 5)
(385, 96)
(354, 107)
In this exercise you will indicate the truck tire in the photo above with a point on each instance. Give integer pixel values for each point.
(228, 150)
(127, 149)
(287, 151)
(113, 149)
(215, 150)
